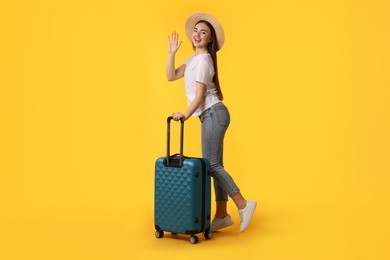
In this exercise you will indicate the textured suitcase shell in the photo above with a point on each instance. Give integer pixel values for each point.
(179, 204)
(182, 197)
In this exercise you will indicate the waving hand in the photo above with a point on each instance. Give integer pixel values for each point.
(173, 43)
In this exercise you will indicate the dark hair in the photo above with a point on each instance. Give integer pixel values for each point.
(212, 47)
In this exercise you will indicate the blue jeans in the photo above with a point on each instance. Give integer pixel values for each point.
(215, 121)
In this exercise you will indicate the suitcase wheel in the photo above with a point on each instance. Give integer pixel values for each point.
(159, 233)
(208, 235)
(194, 239)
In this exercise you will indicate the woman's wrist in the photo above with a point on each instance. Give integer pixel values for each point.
(185, 116)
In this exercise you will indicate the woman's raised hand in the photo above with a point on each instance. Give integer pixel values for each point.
(173, 43)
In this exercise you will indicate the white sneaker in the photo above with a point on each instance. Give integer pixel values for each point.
(219, 223)
(246, 214)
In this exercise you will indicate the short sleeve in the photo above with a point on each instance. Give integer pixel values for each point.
(188, 61)
(203, 73)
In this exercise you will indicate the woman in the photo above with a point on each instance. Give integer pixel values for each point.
(205, 100)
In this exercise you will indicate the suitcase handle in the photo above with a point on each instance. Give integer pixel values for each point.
(169, 140)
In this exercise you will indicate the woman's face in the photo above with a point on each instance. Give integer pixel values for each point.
(201, 36)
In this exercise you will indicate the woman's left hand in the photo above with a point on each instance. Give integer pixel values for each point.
(176, 116)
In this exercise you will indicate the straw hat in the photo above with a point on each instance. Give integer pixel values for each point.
(196, 17)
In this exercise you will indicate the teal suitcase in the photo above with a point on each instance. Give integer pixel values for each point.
(182, 199)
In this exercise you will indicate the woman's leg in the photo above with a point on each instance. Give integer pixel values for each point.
(215, 122)
(221, 206)
(214, 125)
(221, 209)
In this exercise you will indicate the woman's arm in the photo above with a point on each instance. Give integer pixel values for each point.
(173, 46)
(199, 99)
(172, 73)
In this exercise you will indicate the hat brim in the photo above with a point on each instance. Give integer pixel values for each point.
(196, 17)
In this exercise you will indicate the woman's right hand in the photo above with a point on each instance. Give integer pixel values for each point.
(173, 43)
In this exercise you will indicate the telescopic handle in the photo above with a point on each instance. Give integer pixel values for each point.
(169, 139)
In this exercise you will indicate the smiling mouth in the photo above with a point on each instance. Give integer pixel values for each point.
(197, 41)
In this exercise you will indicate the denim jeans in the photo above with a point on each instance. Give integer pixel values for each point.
(215, 121)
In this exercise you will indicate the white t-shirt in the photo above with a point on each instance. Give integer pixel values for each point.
(200, 68)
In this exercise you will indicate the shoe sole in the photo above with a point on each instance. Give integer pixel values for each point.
(221, 227)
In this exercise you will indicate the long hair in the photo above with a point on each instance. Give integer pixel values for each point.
(213, 48)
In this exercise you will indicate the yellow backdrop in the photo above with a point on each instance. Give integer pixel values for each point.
(83, 104)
